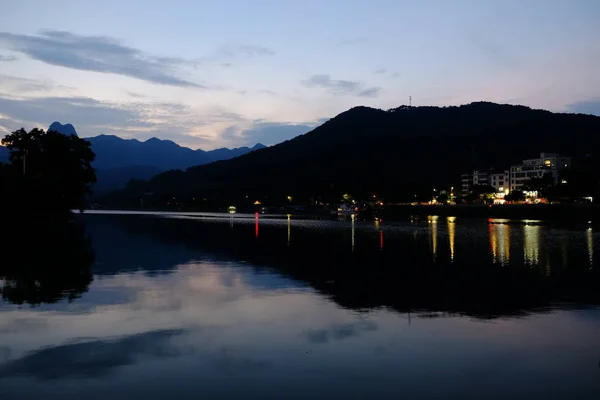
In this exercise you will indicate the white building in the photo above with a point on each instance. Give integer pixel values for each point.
(548, 163)
(500, 180)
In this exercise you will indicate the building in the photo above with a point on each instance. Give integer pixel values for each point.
(466, 184)
(547, 163)
(500, 180)
(481, 177)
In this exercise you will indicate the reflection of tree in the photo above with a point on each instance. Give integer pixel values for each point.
(403, 277)
(45, 261)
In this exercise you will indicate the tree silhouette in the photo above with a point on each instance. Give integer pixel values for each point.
(48, 171)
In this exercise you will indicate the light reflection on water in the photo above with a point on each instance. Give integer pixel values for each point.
(163, 318)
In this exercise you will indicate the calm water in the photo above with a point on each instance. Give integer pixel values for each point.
(212, 307)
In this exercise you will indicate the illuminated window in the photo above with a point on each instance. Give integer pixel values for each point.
(548, 163)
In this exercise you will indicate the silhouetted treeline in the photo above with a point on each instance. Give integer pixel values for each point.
(48, 172)
(396, 154)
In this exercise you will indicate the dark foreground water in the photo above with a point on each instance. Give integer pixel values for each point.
(189, 307)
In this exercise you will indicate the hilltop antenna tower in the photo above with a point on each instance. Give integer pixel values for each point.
(410, 101)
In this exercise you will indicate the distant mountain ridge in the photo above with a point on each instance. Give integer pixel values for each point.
(115, 152)
(66, 129)
(119, 160)
(397, 154)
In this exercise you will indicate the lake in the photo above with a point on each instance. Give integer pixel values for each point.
(254, 306)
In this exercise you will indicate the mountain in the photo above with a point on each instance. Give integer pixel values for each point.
(66, 129)
(395, 153)
(120, 160)
(115, 152)
(3, 154)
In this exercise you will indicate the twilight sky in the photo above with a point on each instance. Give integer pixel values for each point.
(208, 74)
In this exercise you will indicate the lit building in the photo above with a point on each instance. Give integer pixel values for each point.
(500, 180)
(548, 163)
(466, 184)
(481, 177)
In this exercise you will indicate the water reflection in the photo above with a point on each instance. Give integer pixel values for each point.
(531, 244)
(500, 242)
(451, 235)
(353, 218)
(433, 234)
(49, 261)
(256, 225)
(202, 309)
(380, 230)
(590, 246)
(289, 229)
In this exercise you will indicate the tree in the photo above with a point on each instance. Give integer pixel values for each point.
(515, 195)
(543, 186)
(481, 193)
(47, 170)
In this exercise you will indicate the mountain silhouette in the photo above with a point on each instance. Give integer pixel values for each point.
(395, 153)
(120, 160)
(66, 129)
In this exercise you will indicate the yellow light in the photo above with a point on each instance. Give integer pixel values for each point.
(257, 203)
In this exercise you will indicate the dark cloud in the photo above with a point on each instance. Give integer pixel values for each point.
(341, 87)
(136, 95)
(7, 58)
(340, 331)
(380, 71)
(75, 110)
(591, 106)
(92, 358)
(370, 92)
(99, 54)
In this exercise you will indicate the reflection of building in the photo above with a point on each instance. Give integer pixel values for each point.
(531, 244)
(548, 163)
(590, 246)
(500, 242)
(451, 235)
(432, 220)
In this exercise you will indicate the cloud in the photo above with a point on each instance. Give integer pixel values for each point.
(241, 50)
(7, 58)
(591, 106)
(92, 358)
(267, 133)
(98, 54)
(341, 87)
(380, 71)
(21, 85)
(91, 117)
(136, 95)
(340, 331)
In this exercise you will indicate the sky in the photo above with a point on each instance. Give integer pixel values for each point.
(208, 74)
